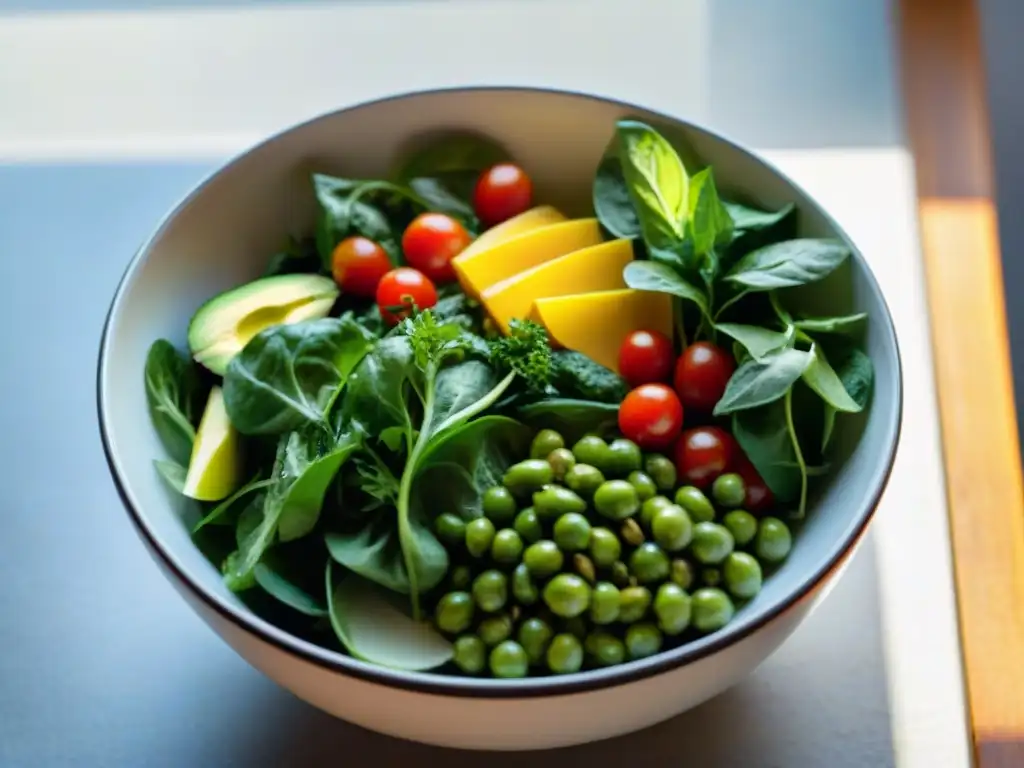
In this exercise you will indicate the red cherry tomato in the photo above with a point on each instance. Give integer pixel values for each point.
(651, 416)
(759, 496)
(430, 243)
(404, 287)
(358, 264)
(646, 357)
(702, 372)
(501, 192)
(703, 453)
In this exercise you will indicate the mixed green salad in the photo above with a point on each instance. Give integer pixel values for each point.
(453, 429)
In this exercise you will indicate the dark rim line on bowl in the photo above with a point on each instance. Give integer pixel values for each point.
(451, 685)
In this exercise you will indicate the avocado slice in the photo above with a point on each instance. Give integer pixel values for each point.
(225, 324)
(215, 467)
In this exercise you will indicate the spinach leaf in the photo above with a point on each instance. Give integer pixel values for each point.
(374, 209)
(820, 377)
(661, 278)
(173, 474)
(572, 418)
(372, 628)
(756, 340)
(377, 389)
(441, 195)
(220, 513)
(298, 257)
(787, 264)
(758, 382)
(289, 375)
(452, 153)
(575, 375)
(657, 182)
(746, 219)
(709, 222)
(270, 576)
(843, 324)
(612, 202)
(174, 398)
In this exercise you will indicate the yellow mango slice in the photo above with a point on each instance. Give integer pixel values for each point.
(479, 271)
(596, 268)
(526, 221)
(596, 324)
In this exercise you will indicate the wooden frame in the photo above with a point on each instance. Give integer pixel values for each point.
(944, 87)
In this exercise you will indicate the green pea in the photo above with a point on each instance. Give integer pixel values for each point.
(742, 574)
(773, 540)
(576, 626)
(728, 490)
(479, 536)
(642, 640)
(524, 590)
(534, 635)
(649, 563)
(633, 604)
(605, 547)
(528, 476)
(528, 526)
(543, 558)
(712, 543)
(672, 528)
(490, 590)
(712, 609)
(645, 487)
(584, 479)
(681, 573)
(461, 577)
(604, 603)
(711, 577)
(605, 648)
(450, 529)
(696, 504)
(454, 612)
(567, 595)
(507, 547)
(495, 629)
(742, 525)
(554, 501)
(620, 574)
(565, 654)
(651, 507)
(591, 450)
(546, 441)
(672, 606)
(662, 472)
(616, 500)
(561, 461)
(470, 654)
(498, 504)
(572, 532)
(508, 659)
(623, 456)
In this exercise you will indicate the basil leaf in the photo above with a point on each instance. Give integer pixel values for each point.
(657, 183)
(763, 434)
(758, 382)
(820, 377)
(289, 375)
(756, 340)
(787, 264)
(612, 202)
(174, 397)
(709, 223)
(746, 219)
(853, 367)
(843, 324)
(661, 278)
(284, 590)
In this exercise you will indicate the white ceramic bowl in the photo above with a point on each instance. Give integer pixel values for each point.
(221, 236)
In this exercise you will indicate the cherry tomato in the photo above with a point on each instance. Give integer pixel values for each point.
(759, 496)
(430, 243)
(702, 372)
(651, 416)
(501, 192)
(358, 264)
(703, 453)
(646, 357)
(403, 287)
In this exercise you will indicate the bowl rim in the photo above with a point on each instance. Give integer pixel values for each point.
(451, 685)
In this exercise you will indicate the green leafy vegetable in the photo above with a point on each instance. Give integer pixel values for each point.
(709, 222)
(173, 474)
(525, 351)
(661, 278)
(575, 375)
(758, 382)
(298, 257)
(442, 197)
(763, 434)
(787, 264)
(572, 418)
(748, 219)
(612, 202)
(288, 376)
(270, 576)
(220, 514)
(844, 324)
(174, 398)
(373, 209)
(756, 340)
(453, 153)
(820, 377)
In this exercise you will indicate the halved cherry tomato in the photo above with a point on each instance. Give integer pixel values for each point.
(651, 416)
(759, 496)
(703, 453)
(646, 357)
(501, 192)
(431, 241)
(401, 289)
(702, 372)
(358, 264)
